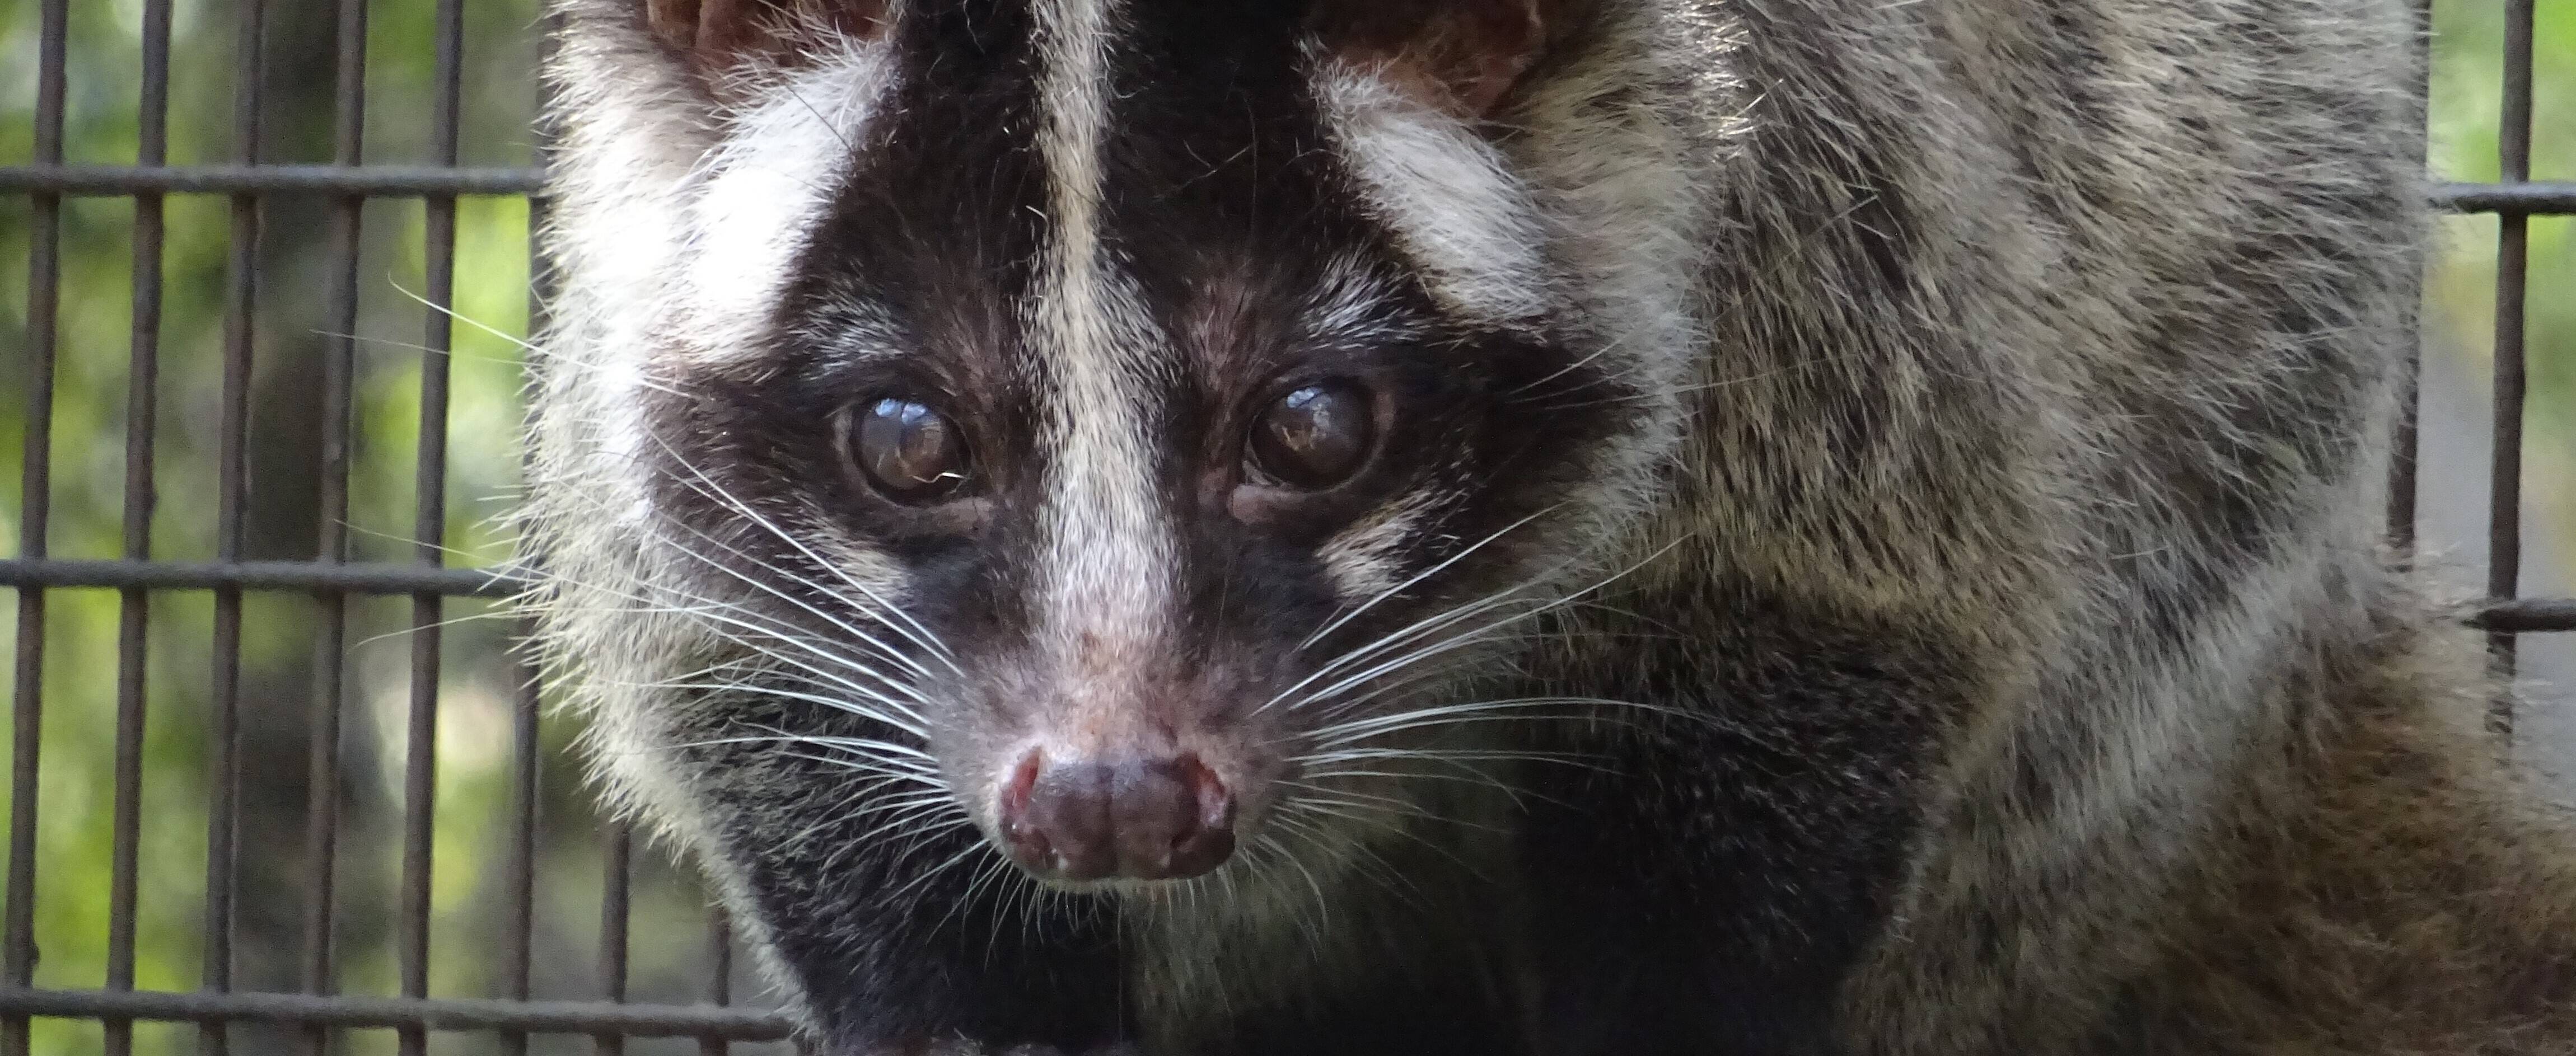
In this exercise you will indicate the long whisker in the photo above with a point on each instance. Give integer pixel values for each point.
(1482, 755)
(1460, 641)
(1417, 577)
(907, 723)
(1453, 643)
(1351, 731)
(819, 652)
(722, 612)
(910, 628)
(752, 581)
(1395, 639)
(705, 486)
(1363, 857)
(873, 750)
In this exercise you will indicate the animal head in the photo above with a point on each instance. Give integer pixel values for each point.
(1113, 435)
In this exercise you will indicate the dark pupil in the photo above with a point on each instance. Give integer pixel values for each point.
(908, 449)
(1313, 437)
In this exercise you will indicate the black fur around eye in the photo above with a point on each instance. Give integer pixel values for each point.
(1314, 437)
(905, 449)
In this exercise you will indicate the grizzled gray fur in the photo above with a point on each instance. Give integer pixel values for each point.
(1528, 526)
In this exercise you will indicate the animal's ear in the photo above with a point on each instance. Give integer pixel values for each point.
(717, 37)
(1462, 56)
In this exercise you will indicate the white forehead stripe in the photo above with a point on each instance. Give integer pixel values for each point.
(764, 190)
(1109, 552)
(1443, 191)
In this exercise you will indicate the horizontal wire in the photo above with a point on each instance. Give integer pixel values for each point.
(556, 1017)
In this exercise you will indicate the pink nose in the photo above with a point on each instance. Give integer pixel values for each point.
(1148, 819)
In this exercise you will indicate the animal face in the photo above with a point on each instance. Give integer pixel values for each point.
(1111, 436)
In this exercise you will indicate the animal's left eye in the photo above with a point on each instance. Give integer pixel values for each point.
(1312, 438)
(905, 449)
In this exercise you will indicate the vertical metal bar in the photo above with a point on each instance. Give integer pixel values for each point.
(152, 149)
(525, 760)
(134, 605)
(44, 274)
(429, 525)
(612, 929)
(2403, 442)
(339, 363)
(720, 973)
(232, 484)
(2513, 250)
(527, 749)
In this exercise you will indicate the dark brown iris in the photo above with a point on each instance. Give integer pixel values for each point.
(1314, 437)
(906, 450)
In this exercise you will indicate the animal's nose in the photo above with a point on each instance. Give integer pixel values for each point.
(1085, 819)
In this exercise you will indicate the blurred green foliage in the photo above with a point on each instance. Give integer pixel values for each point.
(2467, 97)
(294, 332)
(88, 425)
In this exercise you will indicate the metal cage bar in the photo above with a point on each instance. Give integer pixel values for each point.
(241, 299)
(134, 604)
(44, 277)
(429, 524)
(2513, 256)
(520, 929)
(613, 918)
(322, 824)
(343, 188)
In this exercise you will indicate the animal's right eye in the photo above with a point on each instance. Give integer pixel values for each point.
(905, 449)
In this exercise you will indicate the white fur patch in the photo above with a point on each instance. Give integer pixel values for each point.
(1109, 553)
(765, 189)
(1348, 307)
(1444, 191)
(678, 225)
(1364, 560)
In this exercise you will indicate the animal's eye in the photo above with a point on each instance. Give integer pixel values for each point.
(905, 449)
(1313, 438)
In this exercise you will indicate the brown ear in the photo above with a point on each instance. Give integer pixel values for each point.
(1462, 56)
(718, 36)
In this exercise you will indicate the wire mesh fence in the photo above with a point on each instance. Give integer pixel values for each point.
(359, 643)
